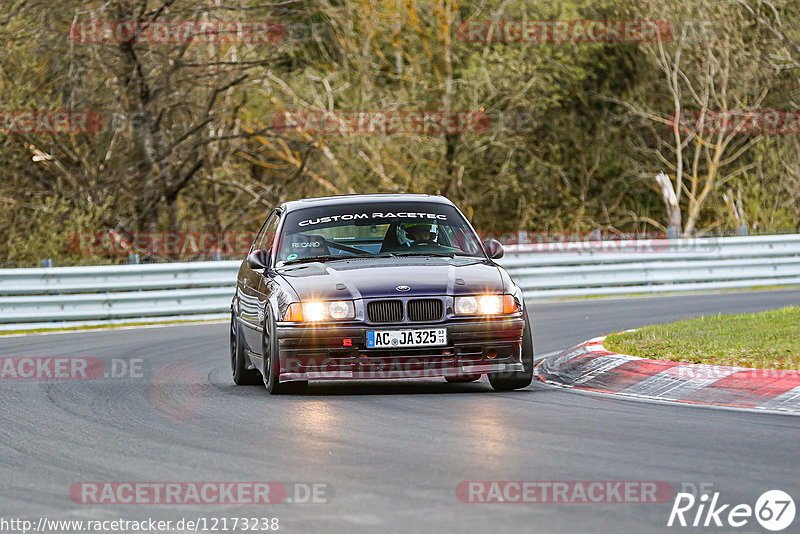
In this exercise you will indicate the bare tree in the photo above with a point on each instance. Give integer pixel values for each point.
(706, 75)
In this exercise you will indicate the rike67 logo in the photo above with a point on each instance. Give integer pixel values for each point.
(774, 510)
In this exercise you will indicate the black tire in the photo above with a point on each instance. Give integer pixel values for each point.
(517, 379)
(462, 379)
(242, 376)
(269, 352)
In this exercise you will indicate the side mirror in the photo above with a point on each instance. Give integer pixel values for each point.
(493, 248)
(258, 259)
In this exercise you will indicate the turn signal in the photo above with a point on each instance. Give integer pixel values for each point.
(509, 304)
(294, 313)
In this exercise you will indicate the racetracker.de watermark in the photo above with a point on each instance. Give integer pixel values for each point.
(204, 493)
(176, 32)
(579, 242)
(771, 121)
(564, 492)
(54, 122)
(113, 243)
(381, 122)
(716, 372)
(68, 368)
(359, 365)
(564, 31)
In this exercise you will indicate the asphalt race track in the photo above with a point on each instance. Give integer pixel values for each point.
(392, 452)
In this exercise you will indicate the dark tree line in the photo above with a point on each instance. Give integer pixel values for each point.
(579, 130)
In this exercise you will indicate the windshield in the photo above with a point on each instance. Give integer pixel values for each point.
(378, 229)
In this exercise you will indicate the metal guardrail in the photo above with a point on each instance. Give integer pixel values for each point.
(77, 296)
(85, 296)
(561, 270)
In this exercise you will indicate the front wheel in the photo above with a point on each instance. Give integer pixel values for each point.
(270, 353)
(242, 376)
(517, 379)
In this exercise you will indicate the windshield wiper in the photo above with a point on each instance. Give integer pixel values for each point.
(332, 257)
(322, 257)
(437, 254)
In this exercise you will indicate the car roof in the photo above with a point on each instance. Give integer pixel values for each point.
(362, 199)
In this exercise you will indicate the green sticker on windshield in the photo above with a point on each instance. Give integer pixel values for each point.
(291, 257)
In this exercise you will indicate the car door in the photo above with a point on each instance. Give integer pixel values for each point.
(251, 296)
(254, 290)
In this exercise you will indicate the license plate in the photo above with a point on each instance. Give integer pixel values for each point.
(390, 339)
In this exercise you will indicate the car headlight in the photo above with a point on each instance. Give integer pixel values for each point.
(485, 305)
(466, 306)
(315, 311)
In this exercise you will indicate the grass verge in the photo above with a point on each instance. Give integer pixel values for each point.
(765, 340)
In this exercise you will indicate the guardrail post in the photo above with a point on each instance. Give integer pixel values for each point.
(47, 262)
(133, 259)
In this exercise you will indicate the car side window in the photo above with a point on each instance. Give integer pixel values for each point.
(263, 230)
(268, 235)
(259, 235)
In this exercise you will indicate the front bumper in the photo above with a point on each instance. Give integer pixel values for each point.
(320, 352)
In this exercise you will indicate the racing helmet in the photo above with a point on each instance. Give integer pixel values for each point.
(409, 233)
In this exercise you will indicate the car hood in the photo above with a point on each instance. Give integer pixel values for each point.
(379, 277)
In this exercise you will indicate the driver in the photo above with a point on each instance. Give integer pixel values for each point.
(411, 233)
